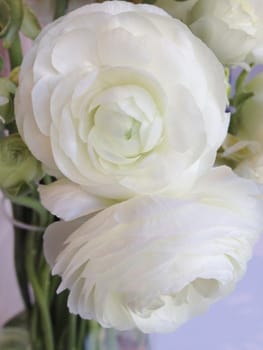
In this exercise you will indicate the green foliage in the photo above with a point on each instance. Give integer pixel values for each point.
(18, 167)
(239, 99)
(5, 18)
(30, 25)
(149, 1)
(7, 93)
(11, 20)
(60, 8)
(16, 15)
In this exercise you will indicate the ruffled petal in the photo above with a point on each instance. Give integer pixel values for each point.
(69, 201)
(55, 237)
(154, 262)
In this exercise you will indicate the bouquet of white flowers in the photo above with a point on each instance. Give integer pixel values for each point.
(132, 160)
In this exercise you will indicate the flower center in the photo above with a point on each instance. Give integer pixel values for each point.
(126, 124)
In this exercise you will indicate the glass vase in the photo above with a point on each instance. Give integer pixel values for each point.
(16, 338)
(109, 339)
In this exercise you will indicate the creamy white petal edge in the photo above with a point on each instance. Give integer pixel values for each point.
(153, 262)
(69, 201)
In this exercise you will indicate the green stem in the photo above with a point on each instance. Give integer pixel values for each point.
(34, 327)
(61, 340)
(31, 203)
(15, 17)
(61, 319)
(72, 334)
(15, 53)
(55, 281)
(82, 334)
(60, 8)
(39, 294)
(94, 336)
(19, 257)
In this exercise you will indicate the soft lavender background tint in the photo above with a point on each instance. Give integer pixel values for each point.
(236, 323)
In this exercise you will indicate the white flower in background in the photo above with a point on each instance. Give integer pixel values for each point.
(233, 29)
(177, 9)
(120, 100)
(153, 262)
(258, 53)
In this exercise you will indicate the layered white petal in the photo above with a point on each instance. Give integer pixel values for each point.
(61, 230)
(236, 44)
(139, 106)
(69, 201)
(231, 28)
(153, 262)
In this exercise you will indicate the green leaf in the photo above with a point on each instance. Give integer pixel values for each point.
(242, 98)
(241, 80)
(15, 52)
(5, 17)
(30, 25)
(14, 21)
(238, 102)
(19, 320)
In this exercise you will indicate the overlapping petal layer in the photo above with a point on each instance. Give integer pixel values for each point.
(153, 262)
(122, 100)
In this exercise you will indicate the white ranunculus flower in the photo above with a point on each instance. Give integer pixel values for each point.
(120, 100)
(153, 262)
(231, 28)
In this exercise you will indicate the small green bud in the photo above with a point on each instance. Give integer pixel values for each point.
(18, 167)
(30, 25)
(7, 93)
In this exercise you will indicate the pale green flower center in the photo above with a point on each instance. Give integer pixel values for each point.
(125, 129)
